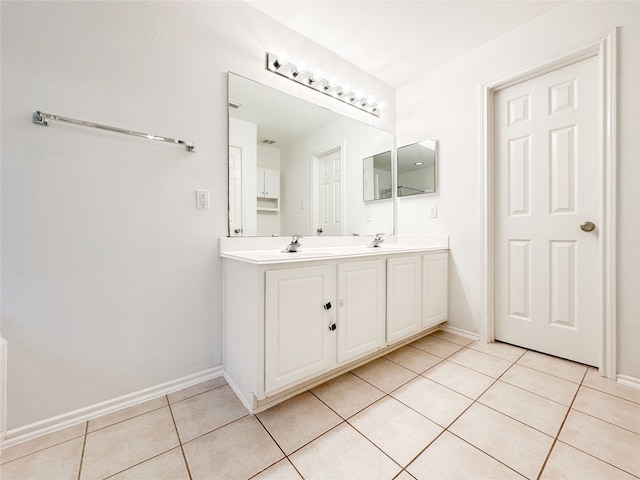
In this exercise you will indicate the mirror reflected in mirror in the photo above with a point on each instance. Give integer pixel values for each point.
(417, 168)
(377, 177)
(295, 167)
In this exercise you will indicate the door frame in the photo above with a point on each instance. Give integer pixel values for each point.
(314, 185)
(605, 50)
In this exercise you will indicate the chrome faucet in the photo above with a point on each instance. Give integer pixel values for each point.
(295, 244)
(377, 241)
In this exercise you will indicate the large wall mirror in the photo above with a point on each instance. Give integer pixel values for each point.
(417, 168)
(295, 167)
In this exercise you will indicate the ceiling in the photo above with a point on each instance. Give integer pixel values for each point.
(397, 41)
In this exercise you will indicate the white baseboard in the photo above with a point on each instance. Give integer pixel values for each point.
(43, 427)
(459, 331)
(629, 381)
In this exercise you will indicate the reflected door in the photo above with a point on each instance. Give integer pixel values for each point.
(547, 277)
(329, 201)
(235, 191)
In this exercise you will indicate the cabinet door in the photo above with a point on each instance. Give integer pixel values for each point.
(298, 341)
(361, 308)
(271, 183)
(404, 297)
(435, 284)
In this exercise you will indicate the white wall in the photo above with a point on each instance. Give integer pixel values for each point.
(111, 281)
(444, 104)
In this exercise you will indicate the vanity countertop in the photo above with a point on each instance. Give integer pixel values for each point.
(261, 257)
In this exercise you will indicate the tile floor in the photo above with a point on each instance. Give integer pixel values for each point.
(441, 408)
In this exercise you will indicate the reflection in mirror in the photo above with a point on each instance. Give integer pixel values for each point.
(417, 168)
(295, 167)
(377, 177)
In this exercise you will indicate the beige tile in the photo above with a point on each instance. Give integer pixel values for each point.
(516, 445)
(402, 438)
(451, 337)
(540, 383)
(436, 346)
(595, 381)
(343, 453)
(499, 349)
(297, 421)
(605, 441)
(450, 458)
(196, 389)
(384, 374)
(413, 359)
(238, 450)
(207, 411)
(118, 447)
(574, 372)
(59, 462)
(480, 362)
(283, 470)
(126, 413)
(347, 394)
(567, 463)
(168, 466)
(461, 379)
(612, 409)
(439, 404)
(45, 441)
(536, 411)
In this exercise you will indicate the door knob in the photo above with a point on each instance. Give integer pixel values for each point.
(587, 226)
(237, 230)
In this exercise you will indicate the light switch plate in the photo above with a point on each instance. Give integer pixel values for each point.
(433, 211)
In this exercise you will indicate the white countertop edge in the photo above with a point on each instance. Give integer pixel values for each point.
(269, 257)
(232, 246)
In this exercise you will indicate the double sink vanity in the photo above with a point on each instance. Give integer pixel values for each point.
(296, 319)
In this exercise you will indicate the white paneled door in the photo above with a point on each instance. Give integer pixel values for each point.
(548, 281)
(329, 201)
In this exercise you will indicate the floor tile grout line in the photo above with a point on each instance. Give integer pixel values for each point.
(217, 428)
(124, 420)
(195, 394)
(555, 440)
(610, 394)
(41, 449)
(596, 458)
(606, 421)
(175, 426)
(84, 444)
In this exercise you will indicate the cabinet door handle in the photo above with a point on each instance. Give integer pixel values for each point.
(327, 306)
(332, 327)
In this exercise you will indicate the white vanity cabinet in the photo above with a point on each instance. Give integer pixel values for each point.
(291, 324)
(299, 314)
(404, 297)
(435, 277)
(361, 309)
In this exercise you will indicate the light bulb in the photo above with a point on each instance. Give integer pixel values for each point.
(282, 59)
(357, 93)
(317, 75)
(299, 68)
(333, 81)
(371, 99)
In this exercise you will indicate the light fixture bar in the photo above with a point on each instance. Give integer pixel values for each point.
(299, 73)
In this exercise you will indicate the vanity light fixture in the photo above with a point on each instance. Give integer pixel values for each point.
(298, 72)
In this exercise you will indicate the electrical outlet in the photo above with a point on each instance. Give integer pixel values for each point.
(202, 199)
(433, 211)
